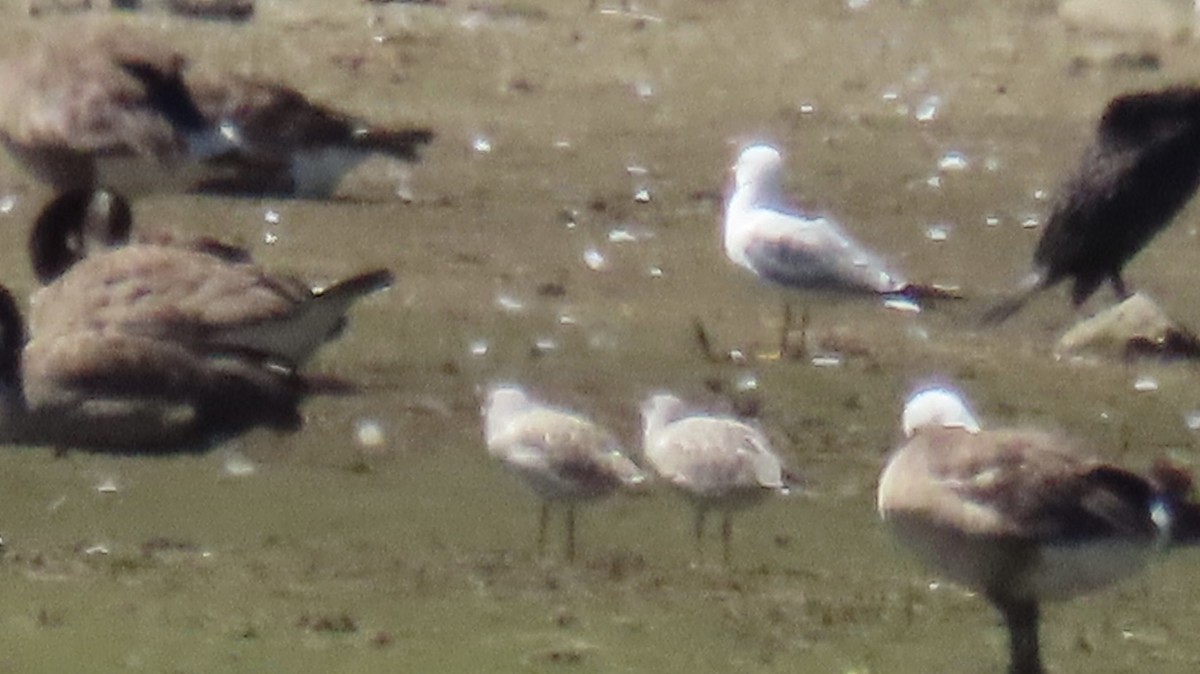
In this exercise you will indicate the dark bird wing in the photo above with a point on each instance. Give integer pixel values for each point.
(1140, 171)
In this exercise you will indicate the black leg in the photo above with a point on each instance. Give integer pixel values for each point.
(698, 530)
(571, 532)
(1021, 617)
(543, 522)
(727, 537)
(785, 330)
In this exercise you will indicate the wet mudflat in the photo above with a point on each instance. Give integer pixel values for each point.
(527, 255)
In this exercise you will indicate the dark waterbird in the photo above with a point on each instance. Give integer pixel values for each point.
(1140, 171)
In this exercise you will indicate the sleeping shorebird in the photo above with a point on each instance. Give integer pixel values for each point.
(799, 251)
(561, 456)
(1142, 168)
(109, 109)
(98, 390)
(1022, 516)
(718, 463)
(199, 294)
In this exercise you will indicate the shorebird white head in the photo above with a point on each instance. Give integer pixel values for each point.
(937, 407)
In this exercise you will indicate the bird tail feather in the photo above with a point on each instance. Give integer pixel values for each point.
(1003, 310)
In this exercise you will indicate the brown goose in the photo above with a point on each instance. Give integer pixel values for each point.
(109, 109)
(104, 108)
(201, 294)
(1023, 516)
(121, 393)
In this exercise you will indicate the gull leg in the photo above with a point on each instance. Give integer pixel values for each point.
(698, 531)
(571, 532)
(803, 352)
(785, 330)
(543, 522)
(727, 538)
(704, 341)
(1021, 618)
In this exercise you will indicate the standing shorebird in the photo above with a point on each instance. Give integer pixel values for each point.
(800, 251)
(562, 456)
(718, 463)
(1022, 516)
(1140, 171)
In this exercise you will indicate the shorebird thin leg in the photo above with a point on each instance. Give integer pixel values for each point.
(727, 537)
(571, 532)
(698, 530)
(803, 353)
(1021, 618)
(785, 329)
(543, 522)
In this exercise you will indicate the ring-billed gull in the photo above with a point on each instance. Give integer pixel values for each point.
(797, 250)
(718, 463)
(1141, 169)
(562, 456)
(1023, 516)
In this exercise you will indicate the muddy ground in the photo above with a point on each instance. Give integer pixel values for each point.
(524, 254)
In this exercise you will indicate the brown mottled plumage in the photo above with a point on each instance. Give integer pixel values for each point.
(111, 109)
(91, 389)
(102, 108)
(199, 293)
(1023, 516)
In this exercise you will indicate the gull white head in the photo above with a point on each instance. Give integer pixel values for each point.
(659, 410)
(504, 403)
(757, 169)
(937, 407)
